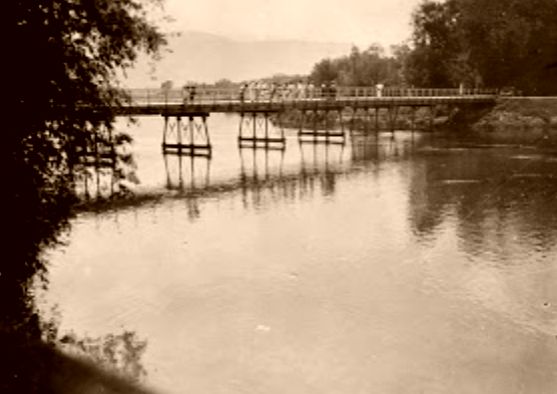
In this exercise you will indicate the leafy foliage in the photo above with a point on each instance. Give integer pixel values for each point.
(362, 68)
(493, 43)
(62, 65)
(117, 353)
(65, 64)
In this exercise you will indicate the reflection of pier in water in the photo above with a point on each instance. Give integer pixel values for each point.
(94, 182)
(187, 173)
(259, 167)
(368, 149)
(320, 162)
(105, 178)
(102, 164)
(263, 179)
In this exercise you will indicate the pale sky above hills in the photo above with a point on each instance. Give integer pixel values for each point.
(361, 22)
(245, 39)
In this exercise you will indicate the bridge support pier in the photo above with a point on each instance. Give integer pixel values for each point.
(189, 138)
(413, 119)
(434, 111)
(374, 119)
(362, 119)
(319, 125)
(392, 114)
(263, 132)
(392, 118)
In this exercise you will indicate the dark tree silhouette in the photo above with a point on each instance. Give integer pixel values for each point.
(362, 68)
(61, 61)
(495, 43)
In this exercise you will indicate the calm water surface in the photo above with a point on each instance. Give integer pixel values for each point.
(413, 263)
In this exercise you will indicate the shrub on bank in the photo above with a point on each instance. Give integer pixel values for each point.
(524, 112)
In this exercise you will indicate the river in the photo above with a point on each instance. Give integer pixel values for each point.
(397, 263)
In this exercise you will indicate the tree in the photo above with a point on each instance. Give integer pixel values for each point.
(360, 68)
(510, 42)
(166, 87)
(224, 83)
(400, 53)
(324, 72)
(492, 43)
(63, 56)
(435, 45)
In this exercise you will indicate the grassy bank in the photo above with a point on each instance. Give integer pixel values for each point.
(519, 112)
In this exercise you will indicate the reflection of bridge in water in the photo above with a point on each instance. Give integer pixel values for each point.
(262, 175)
(262, 178)
(317, 114)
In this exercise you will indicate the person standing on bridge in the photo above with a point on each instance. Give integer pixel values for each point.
(243, 90)
(281, 91)
(379, 89)
(311, 90)
(185, 93)
(273, 91)
(251, 91)
(306, 89)
(333, 91)
(290, 90)
(256, 90)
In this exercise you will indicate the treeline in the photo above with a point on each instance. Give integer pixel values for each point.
(505, 44)
(363, 68)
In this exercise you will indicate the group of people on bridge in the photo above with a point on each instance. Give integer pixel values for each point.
(273, 91)
(266, 91)
(257, 91)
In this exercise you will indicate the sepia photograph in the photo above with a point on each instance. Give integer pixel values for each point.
(280, 197)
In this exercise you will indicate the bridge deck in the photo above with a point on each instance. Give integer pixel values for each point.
(269, 106)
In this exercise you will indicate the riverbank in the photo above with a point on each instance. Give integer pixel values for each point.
(507, 113)
(514, 112)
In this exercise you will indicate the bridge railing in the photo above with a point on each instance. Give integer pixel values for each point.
(286, 94)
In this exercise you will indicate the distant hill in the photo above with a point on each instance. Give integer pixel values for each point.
(203, 57)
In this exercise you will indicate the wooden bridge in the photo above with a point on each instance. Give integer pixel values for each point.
(176, 102)
(321, 112)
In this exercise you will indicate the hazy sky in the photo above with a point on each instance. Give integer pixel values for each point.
(361, 22)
